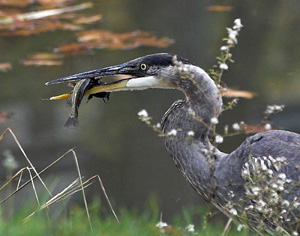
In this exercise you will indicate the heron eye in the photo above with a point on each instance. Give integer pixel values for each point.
(143, 66)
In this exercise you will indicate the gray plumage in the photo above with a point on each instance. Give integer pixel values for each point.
(258, 183)
(215, 175)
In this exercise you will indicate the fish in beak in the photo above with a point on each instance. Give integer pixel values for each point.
(144, 72)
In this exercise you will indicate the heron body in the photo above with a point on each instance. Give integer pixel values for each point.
(229, 181)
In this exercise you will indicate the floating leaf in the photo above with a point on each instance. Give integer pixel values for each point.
(4, 67)
(253, 129)
(73, 48)
(4, 116)
(219, 8)
(35, 15)
(16, 3)
(39, 26)
(45, 56)
(35, 22)
(106, 39)
(238, 93)
(41, 63)
(88, 19)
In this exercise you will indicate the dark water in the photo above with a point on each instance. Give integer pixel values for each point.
(110, 141)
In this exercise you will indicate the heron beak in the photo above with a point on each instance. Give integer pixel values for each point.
(135, 82)
(107, 71)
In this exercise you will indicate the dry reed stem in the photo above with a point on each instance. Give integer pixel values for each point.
(41, 172)
(69, 190)
(19, 173)
(24, 154)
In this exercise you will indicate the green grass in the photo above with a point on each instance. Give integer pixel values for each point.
(73, 222)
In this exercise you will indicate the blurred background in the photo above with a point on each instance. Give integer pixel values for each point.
(111, 141)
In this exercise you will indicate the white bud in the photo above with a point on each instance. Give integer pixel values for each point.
(236, 126)
(219, 139)
(233, 211)
(190, 228)
(224, 48)
(214, 120)
(268, 126)
(161, 225)
(223, 66)
(143, 113)
(172, 132)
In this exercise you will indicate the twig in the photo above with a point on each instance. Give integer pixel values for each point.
(33, 187)
(41, 172)
(24, 154)
(82, 189)
(227, 227)
(20, 172)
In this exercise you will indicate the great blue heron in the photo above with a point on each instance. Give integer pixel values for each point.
(258, 182)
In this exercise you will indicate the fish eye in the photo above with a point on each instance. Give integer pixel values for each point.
(143, 66)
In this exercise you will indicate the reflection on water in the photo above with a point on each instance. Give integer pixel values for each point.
(110, 140)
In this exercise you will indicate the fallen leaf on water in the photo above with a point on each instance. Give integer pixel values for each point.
(53, 3)
(88, 19)
(41, 63)
(238, 93)
(39, 26)
(24, 24)
(219, 8)
(73, 48)
(45, 56)
(88, 40)
(35, 15)
(4, 67)
(4, 116)
(253, 129)
(16, 3)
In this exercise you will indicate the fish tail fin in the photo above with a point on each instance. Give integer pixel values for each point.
(72, 122)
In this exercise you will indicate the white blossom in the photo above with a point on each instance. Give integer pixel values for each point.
(270, 173)
(224, 48)
(236, 126)
(219, 139)
(268, 126)
(161, 225)
(191, 111)
(260, 205)
(255, 190)
(172, 132)
(232, 34)
(143, 113)
(191, 228)
(214, 120)
(240, 227)
(283, 212)
(250, 207)
(246, 173)
(271, 109)
(233, 211)
(282, 176)
(296, 204)
(285, 203)
(191, 133)
(10, 161)
(223, 66)
(237, 24)
(280, 159)
(274, 197)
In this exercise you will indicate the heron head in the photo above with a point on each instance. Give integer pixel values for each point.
(158, 70)
(151, 71)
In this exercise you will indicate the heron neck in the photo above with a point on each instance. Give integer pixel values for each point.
(191, 118)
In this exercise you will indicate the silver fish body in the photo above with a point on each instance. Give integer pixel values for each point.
(78, 92)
